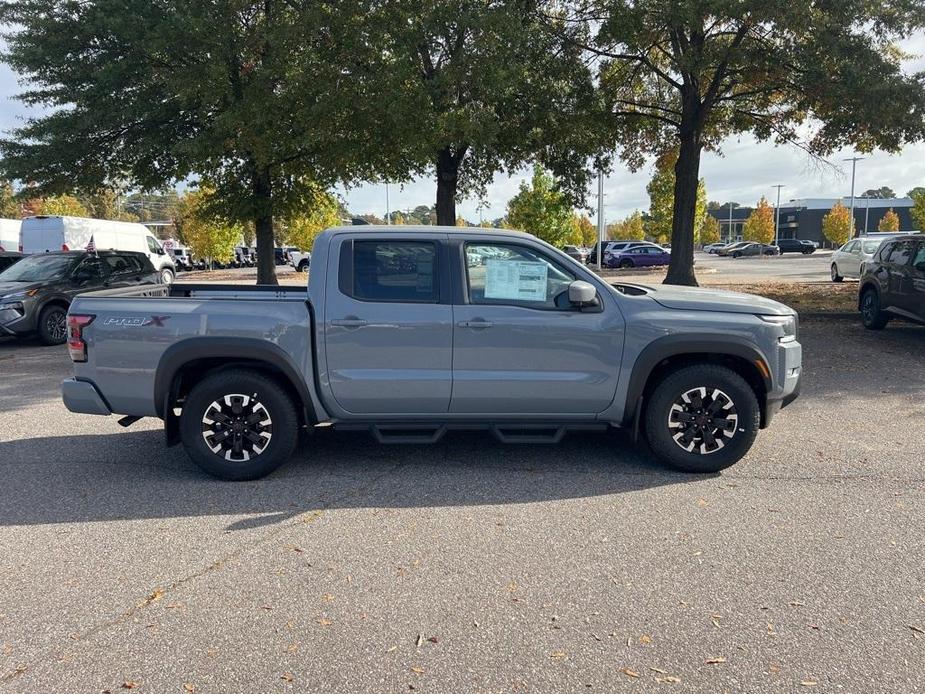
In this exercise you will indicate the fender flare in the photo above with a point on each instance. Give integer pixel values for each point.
(680, 344)
(182, 353)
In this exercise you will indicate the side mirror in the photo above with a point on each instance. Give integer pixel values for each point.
(581, 293)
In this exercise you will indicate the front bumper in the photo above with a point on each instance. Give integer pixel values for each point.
(83, 397)
(789, 375)
(16, 321)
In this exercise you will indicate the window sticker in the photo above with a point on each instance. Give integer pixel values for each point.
(515, 279)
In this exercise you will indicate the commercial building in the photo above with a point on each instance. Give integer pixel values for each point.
(802, 218)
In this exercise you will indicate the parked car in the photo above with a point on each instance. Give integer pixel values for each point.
(610, 247)
(639, 256)
(847, 260)
(182, 258)
(45, 233)
(713, 248)
(729, 248)
(893, 283)
(8, 258)
(750, 249)
(398, 337)
(300, 260)
(36, 292)
(576, 253)
(9, 235)
(796, 246)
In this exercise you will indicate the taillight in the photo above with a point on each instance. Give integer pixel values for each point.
(64, 247)
(76, 346)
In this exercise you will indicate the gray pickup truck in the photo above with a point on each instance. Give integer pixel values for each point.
(409, 332)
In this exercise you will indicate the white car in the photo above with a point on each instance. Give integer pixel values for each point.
(847, 260)
(713, 248)
(300, 260)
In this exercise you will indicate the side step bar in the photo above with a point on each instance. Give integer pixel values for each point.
(505, 432)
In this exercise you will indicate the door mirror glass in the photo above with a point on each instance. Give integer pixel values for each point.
(581, 293)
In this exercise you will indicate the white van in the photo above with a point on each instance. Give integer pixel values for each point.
(9, 234)
(44, 233)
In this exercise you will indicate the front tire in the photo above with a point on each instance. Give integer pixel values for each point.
(835, 276)
(239, 425)
(167, 276)
(626, 264)
(303, 266)
(53, 325)
(871, 315)
(736, 254)
(702, 418)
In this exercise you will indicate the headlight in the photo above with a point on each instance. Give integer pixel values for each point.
(788, 323)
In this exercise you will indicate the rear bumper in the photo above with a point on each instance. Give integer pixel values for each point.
(83, 397)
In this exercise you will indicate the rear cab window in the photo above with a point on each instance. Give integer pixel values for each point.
(390, 271)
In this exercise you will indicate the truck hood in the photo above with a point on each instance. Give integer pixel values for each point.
(699, 299)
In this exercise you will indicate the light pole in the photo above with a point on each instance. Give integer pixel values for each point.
(854, 161)
(731, 236)
(600, 217)
(777, 214)
(387, 215)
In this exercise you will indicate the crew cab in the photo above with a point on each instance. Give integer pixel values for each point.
(399, 334)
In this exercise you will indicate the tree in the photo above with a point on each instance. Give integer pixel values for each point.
(882, 192)
(661, 190)
(542, 210)
(473, 87)
(697, 71)
(256, 97)
(760, 223)
(837, 224)
(889, 221)
(207, 235)
(918, 207)
(63, 205)
(106, 203)
(397, 218)
(320, 212)
(915, 192)
(710, 233)
(587, 232)
(10, 207)
(631, 228)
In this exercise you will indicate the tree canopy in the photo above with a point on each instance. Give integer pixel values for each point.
(819, 75)
(837, 224)
(760, 223)
(542, 210)
(918, 208)
(207, 235)
(889, 221)
(256, 98)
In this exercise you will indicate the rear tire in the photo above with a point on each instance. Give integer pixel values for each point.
(835, 276)
(626, 263)
(871, 315)
(53, 325)
(702, 418)
(239, 425)
(303, 266)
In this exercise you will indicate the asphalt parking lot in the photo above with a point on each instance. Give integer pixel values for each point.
(472, 566)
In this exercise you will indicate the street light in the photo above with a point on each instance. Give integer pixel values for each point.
(600, 216)
(777, 213)
(854, 161)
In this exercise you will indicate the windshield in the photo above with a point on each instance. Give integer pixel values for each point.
(38, 268)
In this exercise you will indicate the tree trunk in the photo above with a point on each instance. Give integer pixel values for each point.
(263, 227)
(447, 182)
(686, 180)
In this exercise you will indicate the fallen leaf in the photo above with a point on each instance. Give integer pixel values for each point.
(327, 596)
(629, 673)
(189, 687)
(174, 606)
(324, 621)
(808, 683)
(558, 655)
(434, 639)
(714, 661)
(154, 596)
(645, 639)
(131, 684)
(701, 502)
(670, 678)
(392, 649)
(715, 619)
(796, 603)
(417, 670)
(916, 629)
(292, 648)
(658, 670)
(287, 677)
(419, 640)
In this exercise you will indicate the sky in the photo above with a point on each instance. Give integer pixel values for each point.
(744, 171)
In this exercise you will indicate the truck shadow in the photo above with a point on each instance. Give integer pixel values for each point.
(132, 476)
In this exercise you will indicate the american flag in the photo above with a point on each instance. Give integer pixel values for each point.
(91, 247)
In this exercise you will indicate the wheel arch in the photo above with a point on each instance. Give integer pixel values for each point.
(186, 363)
(670, 353)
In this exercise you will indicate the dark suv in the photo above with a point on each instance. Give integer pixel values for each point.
(893, 283)
(35, 292)
(796, 246)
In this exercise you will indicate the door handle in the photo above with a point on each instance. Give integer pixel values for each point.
(350, 322)
(475, 324)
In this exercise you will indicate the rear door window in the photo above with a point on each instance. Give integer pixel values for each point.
(902, 252)
(395, 271)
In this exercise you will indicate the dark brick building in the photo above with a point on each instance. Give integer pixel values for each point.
(802, 219)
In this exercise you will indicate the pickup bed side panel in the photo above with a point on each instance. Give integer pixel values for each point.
(129, 337)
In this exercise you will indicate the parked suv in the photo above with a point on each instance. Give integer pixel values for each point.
(893, 283)
(36, 292)
(796, 246)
